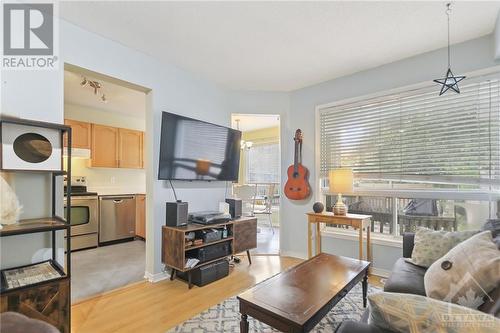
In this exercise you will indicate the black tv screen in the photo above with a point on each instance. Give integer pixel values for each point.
(191, 149)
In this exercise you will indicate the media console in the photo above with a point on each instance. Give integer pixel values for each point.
(241, 236)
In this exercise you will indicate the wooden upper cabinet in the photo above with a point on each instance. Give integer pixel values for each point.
(81, 134)
(105, 146)
(130, 149)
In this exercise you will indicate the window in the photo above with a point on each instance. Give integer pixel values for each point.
(419, 146)
(417, 136)
(263, 164)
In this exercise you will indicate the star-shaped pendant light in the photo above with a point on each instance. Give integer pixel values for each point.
(450, 81)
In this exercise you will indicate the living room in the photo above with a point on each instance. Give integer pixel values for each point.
(318, 66)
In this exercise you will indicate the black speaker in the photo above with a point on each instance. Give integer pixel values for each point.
(235, 207)
(177, 213)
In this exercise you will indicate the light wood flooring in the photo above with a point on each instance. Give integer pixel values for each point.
(157, 307)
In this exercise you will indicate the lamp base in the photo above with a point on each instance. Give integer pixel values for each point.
(340, 207)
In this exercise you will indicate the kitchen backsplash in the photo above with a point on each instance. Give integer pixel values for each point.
(110, 181)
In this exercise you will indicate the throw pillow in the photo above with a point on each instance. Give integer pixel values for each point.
(467, 273)
(416, 313)
(430, 245)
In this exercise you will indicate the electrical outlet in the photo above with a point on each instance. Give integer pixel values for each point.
(112, 180)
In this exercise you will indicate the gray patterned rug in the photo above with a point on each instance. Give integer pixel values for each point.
(224, 317)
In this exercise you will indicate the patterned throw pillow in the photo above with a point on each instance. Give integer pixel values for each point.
(417, 314)
(430, 245)
(467, 273)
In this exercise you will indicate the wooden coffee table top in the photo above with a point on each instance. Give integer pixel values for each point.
(299, 293)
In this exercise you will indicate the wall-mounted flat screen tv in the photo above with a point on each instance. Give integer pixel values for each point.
(191, 149)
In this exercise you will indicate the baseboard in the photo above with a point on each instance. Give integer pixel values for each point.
(293, 254)
(380, 272)
(153, 278)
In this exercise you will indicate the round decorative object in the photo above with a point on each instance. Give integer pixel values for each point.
(446, 265)
(32, 147)
(318, 207)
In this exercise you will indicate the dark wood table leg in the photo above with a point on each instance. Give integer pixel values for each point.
(172, 274)
(365, 288)
(249, 258)
(190, 284)
(244, 323)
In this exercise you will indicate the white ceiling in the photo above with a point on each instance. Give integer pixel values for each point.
(281, 46)
(119, 98)
(250, 122)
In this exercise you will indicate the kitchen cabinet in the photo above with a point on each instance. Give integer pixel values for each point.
(140, 215)
(81, 134)
(130, 153)
(105, 146)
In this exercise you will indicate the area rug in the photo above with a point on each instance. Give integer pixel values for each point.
(224, 317)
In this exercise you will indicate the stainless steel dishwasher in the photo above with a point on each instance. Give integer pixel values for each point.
(116, 217)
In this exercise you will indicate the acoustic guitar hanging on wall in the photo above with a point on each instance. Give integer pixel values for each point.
(297, 186)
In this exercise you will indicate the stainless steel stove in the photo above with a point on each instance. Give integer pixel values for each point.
(84, 214)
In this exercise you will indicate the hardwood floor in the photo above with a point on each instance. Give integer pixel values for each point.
(157, 307)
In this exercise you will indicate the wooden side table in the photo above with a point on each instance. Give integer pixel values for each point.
(356, 221)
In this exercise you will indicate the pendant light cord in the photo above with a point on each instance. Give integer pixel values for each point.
(448, 12)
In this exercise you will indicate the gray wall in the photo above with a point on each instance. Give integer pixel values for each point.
(467, 57)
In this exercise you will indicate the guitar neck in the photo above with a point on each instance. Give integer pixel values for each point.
(296, 157)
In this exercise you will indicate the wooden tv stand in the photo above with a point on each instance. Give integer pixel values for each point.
(242, 235)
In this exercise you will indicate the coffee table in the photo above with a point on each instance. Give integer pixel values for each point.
(298, 298)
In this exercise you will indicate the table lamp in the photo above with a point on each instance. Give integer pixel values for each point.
(340, 182)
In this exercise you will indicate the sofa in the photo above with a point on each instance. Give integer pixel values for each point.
(409, 279)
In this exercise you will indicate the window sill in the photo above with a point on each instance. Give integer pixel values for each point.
(386, 240)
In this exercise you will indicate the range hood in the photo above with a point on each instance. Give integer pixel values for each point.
(79, 153)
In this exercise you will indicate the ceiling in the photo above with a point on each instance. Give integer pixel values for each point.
(250, 122)
(281, 46)
(119, 98)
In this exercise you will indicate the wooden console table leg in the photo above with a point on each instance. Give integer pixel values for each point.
(318, 238)
(249, 258)
(172, 274)
(244, 323)
(360, 240)
(365, 288)
(368, 245)
(190, 285)
(309, 241)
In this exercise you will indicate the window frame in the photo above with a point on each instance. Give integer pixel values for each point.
(394, 239)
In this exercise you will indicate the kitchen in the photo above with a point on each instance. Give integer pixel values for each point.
(108, 182)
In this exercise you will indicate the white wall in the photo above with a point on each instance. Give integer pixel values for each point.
(467, 57)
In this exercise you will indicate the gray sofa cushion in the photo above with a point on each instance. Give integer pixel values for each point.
(406, 278)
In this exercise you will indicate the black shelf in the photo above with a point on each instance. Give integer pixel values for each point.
(50, 224)
(54, 264)
(30, 226)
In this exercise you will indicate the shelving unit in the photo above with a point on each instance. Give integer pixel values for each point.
(47, 300)
(242, 236)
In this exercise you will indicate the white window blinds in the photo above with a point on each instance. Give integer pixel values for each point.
(263, 163)
(417, 133)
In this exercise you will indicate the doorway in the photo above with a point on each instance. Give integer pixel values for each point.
(259, 181)
(108, 121)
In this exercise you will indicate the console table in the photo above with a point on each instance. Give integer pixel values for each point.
(242, 237)
(356, 221)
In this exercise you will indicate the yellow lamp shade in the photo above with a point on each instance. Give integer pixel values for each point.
(341, 180)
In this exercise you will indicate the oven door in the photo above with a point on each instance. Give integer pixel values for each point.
(83, 215)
